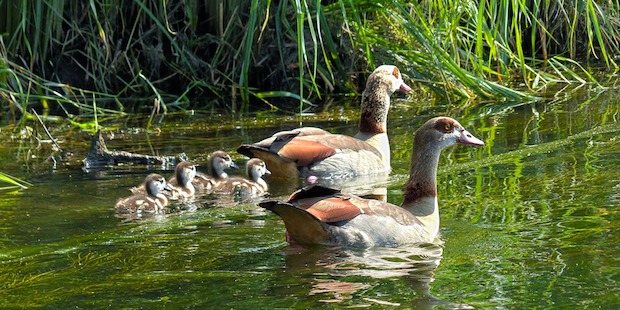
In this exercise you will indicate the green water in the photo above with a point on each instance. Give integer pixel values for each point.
(529, 221)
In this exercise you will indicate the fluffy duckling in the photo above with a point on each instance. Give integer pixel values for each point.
(181, 183)
(179, 186)
(246, 188)
(218, 163)
(151, 202)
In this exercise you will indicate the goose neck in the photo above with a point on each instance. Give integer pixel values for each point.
(421, 188)
(182, 178)
(218, 171)
(374, 110)
(262, 183)
(422, 181)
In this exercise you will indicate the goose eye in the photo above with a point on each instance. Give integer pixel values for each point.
(447, 127)
(396, 73)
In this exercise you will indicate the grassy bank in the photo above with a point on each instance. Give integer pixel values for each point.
(111, 56)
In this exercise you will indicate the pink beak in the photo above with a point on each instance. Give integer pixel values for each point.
(469, 139)
(405, 88)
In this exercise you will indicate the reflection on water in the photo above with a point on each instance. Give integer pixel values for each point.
(338, 273)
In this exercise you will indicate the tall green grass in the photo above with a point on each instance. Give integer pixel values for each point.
(67, 55)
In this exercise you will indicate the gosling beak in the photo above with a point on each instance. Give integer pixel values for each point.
(267, 172)
(233, 165)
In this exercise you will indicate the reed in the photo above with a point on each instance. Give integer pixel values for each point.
(65, 55)
(13, 182)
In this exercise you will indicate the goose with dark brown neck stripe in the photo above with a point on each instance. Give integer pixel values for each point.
(315, 152)
(320, 215)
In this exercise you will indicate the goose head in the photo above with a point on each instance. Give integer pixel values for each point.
(155, 184)
(429, 140)
(441, 132)
(220, 161)
(381, 84)
(256, 169)
(184, 172)
(389, 78)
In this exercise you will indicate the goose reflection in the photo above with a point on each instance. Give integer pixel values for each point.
(373, 187)
(332, 268)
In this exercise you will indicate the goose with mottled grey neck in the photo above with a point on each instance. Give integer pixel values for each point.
(315, 152)
(320, 215)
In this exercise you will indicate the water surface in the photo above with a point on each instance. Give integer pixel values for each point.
(528, 221)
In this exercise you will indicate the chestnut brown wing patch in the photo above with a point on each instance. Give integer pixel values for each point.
(343, 142)
(306, 151)
(373, 207)
(325, 204)
(332, 209)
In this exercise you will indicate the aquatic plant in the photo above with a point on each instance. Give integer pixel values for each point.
(14, 183)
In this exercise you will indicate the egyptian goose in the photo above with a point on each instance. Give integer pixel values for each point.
(320, 215)
(179, 186)
(313, 152)
(219, 161)
(181, 183)
(151, 202)
(255, 186)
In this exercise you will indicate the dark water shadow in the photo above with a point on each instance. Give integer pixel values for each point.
(371, 186)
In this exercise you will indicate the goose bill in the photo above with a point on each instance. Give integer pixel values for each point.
(469, 139)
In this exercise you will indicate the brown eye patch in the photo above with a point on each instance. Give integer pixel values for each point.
(444, 125)
(396, 73)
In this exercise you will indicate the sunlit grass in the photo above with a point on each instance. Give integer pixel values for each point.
(286, 54)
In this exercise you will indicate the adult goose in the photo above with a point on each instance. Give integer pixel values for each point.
(243, 188)
(320, 215)
(153, 201)
(315, 152)
(219, 161)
